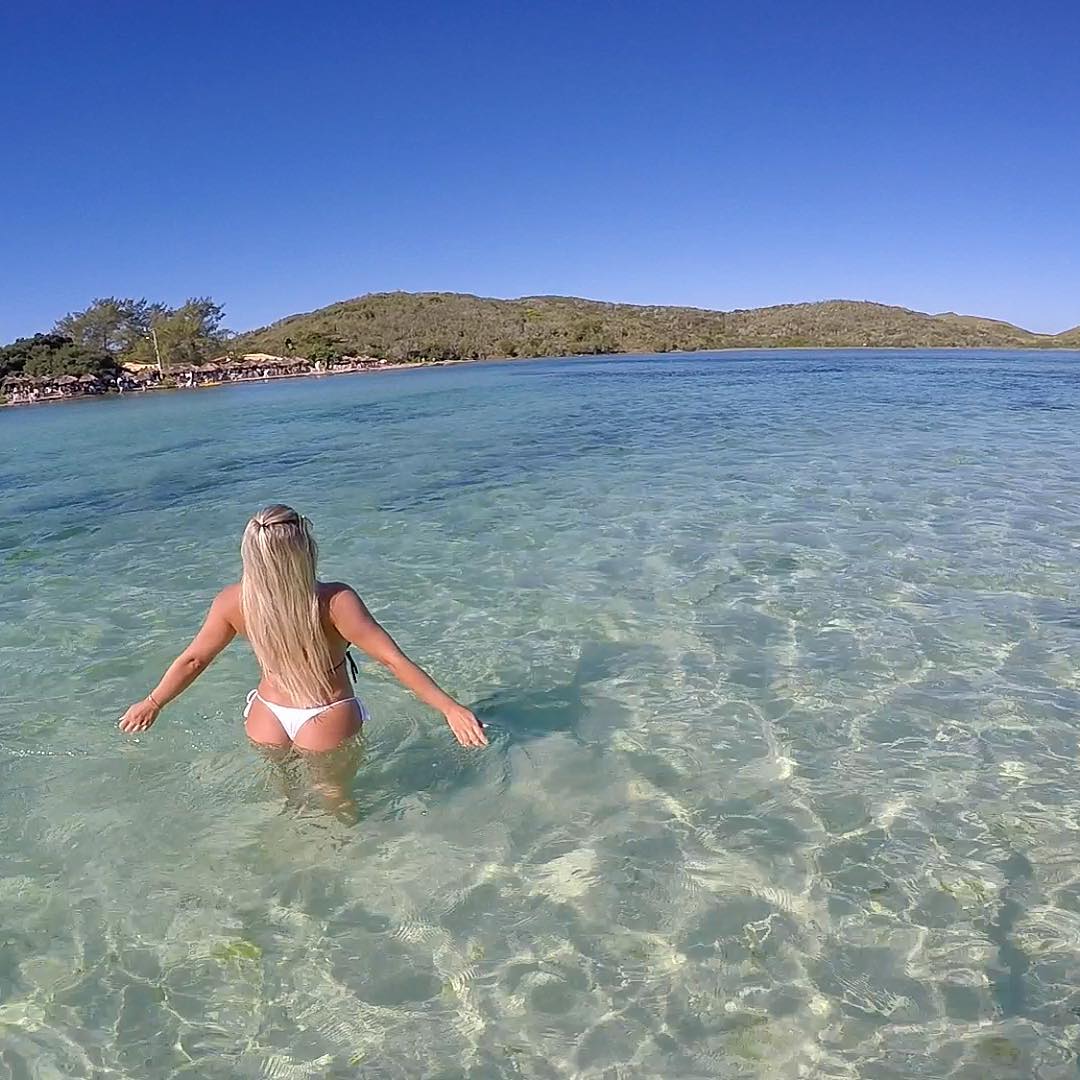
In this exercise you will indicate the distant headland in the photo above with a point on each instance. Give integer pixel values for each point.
(118, 344)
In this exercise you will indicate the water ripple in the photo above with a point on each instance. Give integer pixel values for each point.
(779, 654)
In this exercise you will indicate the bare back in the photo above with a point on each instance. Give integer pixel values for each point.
(268, 686)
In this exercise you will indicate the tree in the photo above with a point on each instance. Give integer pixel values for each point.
(109, 324)
(191, 332)
(112, 330)
(19, 353)
(325, 347)
(187, 335)
(71, 359)
(53, 354)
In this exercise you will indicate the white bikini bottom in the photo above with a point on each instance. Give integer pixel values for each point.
(293, 719)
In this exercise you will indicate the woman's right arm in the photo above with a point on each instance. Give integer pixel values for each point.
(217, 631)
(356, 624)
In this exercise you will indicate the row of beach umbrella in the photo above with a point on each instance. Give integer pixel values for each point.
(19, 380)
(220, 366)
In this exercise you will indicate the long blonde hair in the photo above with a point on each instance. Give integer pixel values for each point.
(279, 597)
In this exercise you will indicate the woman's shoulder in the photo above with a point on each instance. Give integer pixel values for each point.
(331, 591)
(228, 600)
(340, 601)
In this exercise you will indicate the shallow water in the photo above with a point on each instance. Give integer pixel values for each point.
(779, 657)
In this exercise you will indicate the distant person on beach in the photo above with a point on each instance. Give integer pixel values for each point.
(300, 629)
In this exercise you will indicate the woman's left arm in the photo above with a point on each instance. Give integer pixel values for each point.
(217, 631)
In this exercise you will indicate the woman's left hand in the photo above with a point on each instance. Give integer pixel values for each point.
(466, 728)
(139, 717)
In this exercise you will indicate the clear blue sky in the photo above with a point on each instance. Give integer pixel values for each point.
(279, 156)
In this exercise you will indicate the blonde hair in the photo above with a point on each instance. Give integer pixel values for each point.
(279, 597)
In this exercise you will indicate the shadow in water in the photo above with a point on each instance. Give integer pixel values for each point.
(1009, 981)
(429, 767)
(517, 716)
(521, 715)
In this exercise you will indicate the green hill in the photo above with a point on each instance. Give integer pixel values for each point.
(445, 326)
(113, 332)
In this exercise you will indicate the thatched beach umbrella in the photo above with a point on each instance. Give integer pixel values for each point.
(88, 380)
(65, 380)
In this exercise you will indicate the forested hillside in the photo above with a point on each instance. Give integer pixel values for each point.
(447, 326)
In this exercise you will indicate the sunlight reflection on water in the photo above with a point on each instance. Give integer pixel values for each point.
(779, 657)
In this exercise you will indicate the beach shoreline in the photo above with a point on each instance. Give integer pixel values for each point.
(57, 399)
(427, 364)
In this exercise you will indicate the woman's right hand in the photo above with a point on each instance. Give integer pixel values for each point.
(466, 728)
(139, 717)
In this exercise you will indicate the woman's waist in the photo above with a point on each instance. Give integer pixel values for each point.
(338, 689)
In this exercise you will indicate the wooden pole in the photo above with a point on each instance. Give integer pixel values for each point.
(157, 352)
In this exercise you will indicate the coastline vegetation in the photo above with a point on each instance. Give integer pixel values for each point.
(113, 334)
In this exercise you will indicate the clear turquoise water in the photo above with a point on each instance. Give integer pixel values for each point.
(779, 655)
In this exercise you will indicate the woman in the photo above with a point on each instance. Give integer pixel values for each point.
(300, 630)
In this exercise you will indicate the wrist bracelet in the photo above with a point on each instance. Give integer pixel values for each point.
(154, 701)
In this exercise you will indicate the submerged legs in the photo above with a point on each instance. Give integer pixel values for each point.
(328, 774)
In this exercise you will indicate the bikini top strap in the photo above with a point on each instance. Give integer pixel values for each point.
(354, 670)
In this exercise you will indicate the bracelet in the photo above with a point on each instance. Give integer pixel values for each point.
(154, 701)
